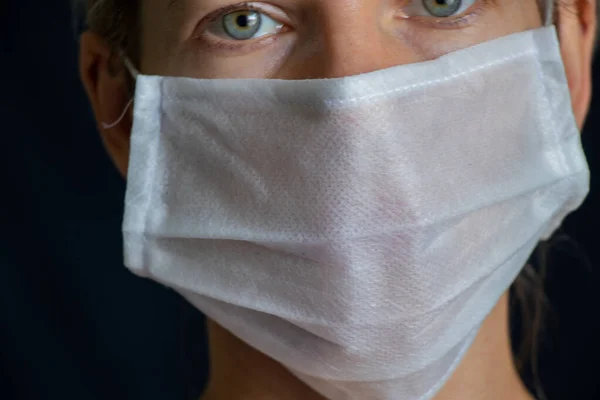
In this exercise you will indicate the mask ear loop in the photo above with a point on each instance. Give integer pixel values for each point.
(118, 121)
(134, 73)
(549, 13)
(133, 70)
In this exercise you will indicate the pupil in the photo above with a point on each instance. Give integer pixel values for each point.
(242, 21)
(442, 2)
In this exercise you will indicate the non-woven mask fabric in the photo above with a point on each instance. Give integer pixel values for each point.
(357, 230)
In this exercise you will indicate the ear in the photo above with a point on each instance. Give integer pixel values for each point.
(106, 82)
(576, 21)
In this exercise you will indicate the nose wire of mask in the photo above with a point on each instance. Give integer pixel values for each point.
(357, 230)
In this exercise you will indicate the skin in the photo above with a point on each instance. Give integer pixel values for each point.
(324, 39)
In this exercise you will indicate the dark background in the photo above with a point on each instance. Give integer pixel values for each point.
(74, 323)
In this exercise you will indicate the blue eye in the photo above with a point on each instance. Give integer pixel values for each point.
(438, 8)
(248, 24)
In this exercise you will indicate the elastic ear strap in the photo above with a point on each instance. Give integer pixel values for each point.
(134, 74)
(129, 65)
(118, 121)
(549, 13)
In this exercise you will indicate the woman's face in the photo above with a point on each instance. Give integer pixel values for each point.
(302, 39)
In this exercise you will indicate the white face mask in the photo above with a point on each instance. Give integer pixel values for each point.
(357, 230)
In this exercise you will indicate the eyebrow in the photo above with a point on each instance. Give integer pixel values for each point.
(172, 3)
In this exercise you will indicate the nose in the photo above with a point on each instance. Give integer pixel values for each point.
(349, 38)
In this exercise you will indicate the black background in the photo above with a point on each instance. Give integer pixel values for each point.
(74, 323)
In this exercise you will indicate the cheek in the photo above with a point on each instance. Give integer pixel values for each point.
(195, 62)
(579, 94)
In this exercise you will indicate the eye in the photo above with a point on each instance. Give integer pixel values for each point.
(245, 25)
(442, 8)
(438, 8)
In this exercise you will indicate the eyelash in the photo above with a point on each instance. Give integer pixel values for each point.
(455, 21)
(251, 44)
(220, 13)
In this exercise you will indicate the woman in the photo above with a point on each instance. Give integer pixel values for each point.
(351, 209)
